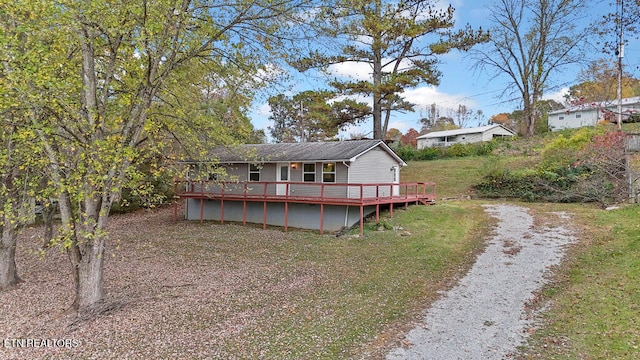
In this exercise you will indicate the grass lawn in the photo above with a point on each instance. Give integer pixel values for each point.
(205, 290)
(592, 305)
(595, 299)
(192, 290)
(455, 177)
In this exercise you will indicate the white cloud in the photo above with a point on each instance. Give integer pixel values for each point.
(403, 126)
(264, 109)
(424, 96)
(557, 96)
(352, 70)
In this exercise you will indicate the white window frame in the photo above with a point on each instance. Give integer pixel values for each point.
(304, 172)
(254, 169)
(328, 172)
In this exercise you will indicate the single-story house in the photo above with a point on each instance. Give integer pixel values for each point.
(589, 114)
(314, 185)
(463, 136)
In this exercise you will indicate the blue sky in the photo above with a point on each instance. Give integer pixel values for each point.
(460, 83)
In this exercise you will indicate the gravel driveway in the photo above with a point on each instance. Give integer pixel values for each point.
(484, 316)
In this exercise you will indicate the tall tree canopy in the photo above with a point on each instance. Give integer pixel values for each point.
(108, 78)
(306, 116)
(400, 41)
(598, 83)
(530, 40)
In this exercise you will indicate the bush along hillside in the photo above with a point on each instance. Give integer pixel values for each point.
(409, 153)
(587, 165)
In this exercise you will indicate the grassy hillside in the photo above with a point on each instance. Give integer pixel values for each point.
(455, 177)
(593, 303)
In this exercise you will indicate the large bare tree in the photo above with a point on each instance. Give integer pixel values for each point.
(530, 41)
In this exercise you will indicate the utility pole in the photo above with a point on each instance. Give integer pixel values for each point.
(620, 53)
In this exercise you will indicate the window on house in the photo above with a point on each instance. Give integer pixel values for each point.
(254, 172)
(309, 172)
(561, 118)
(329, 172)
(578, 116)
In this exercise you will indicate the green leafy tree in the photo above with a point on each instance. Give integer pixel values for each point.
(24, 61)
(530, 40)
(399, 40)
(598, 83)
(118, 67)
(308, 116)
(393, 135)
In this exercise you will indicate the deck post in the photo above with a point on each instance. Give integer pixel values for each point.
(222, 206)
(321, 217)
(361, 219)
(377, 211)
(221, 211)
(390, 209)
(244, 205)
(264, 215)
(201, 201)
(286, 215)
(286, 206)
(244, 212)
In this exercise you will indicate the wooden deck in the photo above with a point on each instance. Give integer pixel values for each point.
(357, 195)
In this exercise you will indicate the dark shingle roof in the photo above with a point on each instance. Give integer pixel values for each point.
(299, 152)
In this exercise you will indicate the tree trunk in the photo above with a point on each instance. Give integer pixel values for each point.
(48, 212)
(86, 253)
(529, 116)
(8, 270)
(9, 225)
(87, 264)
(377, 79)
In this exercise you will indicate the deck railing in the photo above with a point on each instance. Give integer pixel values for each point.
(307, 191)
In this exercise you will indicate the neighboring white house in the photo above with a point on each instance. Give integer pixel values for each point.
(463, 136)
(590, 114)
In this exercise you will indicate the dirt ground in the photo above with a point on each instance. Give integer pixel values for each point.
(168, 299)
(160, 311)
(486, 315)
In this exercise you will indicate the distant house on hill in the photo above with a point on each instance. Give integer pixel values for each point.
(591, 113)
(314, 185)
(463, 136)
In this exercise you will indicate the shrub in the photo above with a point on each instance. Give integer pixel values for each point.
(429, 154)
(587, 166)
(458, 150)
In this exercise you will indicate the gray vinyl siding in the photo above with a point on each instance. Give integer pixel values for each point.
(315, 189)
(373, 167)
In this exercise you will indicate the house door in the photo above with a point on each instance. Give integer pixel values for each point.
(396, 180)
(282, 176)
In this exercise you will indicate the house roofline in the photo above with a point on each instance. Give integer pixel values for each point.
(462, 131)
(386, 148)
(381, 143)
